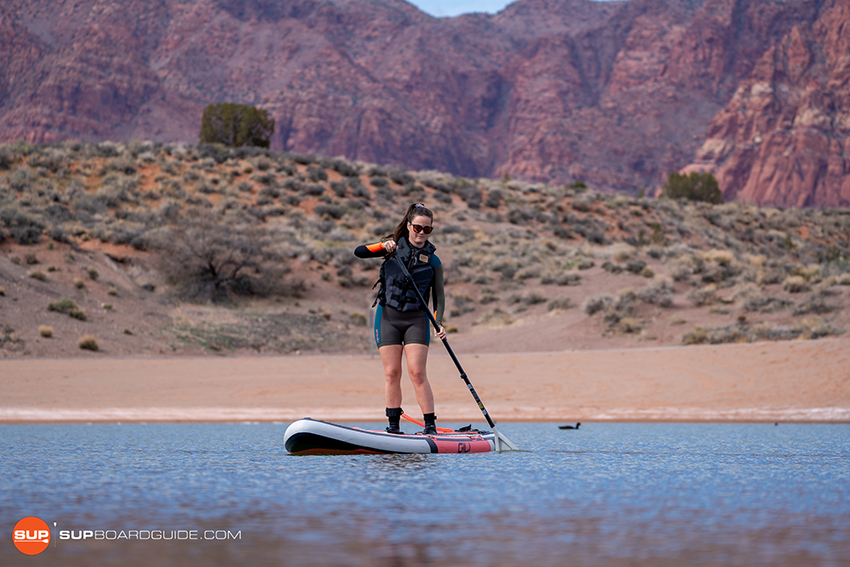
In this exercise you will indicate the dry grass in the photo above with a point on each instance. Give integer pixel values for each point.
(88, 342)
(744, 333)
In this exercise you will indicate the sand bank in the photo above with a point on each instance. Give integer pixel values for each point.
(781, 381)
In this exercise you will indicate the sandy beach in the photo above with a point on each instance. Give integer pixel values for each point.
(780, 381)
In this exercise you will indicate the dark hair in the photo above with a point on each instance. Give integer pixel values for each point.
(414, 210)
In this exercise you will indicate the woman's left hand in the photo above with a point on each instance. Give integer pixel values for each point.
(441, 333)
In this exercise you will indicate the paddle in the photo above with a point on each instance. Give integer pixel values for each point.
(502, 442)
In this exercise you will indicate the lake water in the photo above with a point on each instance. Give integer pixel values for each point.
(607, 494)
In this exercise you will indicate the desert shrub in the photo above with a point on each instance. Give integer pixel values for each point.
(45, 331)
(69, 307)
(622, 307)
(23, 228)
(636, 267)
(795, 284)
(379, 182)
(236, 125)
(507, 268)
(596, 237)
(766, 304)
(401, 177)
(659, 293)
(317, 173)
(595, 303)
(357, 319)
(444, 198)
(630, 325)
(125, 165)
(583, 202)
(343, 167)
(463, 304)
(559, 304)
(93, 274)
(20, 179)
(562, 232)
(314, 189)
(814, 305)
(528, 273)
(612, 267)
(339, 189)
(51, 159)
(568, 279)
(332, 211)
(720, 257)
(494, 199)
(497, 318)
(471, 195)
(526, 299)
(703, 296)
(696, 336)
(694, 187)
(811, 274)
(88, 342)
(7, 157)
(38, 275)
(743, 333)
(265, 178)
(212, 258)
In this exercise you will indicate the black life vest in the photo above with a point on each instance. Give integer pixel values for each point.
(396, 290)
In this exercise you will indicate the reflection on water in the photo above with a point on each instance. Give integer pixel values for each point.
(608, 494)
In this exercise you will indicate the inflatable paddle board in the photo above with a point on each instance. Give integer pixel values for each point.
(313, 437)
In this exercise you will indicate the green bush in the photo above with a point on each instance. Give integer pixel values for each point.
(700, 186)
(68, 307)
(236, 125)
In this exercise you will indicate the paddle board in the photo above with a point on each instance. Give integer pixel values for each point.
(313, 437)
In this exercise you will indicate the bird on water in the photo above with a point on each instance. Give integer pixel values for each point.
(576, 426)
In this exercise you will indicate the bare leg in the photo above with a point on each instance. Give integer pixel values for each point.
(391, 359)
(417, 356)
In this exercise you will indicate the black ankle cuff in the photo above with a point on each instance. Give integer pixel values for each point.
(394, 412)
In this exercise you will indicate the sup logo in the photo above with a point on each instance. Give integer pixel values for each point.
(31, 535)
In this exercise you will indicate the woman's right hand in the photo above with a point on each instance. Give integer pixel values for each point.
(390, 246)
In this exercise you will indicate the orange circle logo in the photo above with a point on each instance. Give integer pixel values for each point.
(31, 535)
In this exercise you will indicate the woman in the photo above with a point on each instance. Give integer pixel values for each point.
(401, 325)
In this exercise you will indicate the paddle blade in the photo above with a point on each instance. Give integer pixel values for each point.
(503, 444)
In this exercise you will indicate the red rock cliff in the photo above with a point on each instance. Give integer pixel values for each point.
(615, 93)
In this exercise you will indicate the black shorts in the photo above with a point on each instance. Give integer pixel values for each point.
(394, 327)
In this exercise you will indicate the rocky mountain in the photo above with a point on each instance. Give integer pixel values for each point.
(783, 136)
(617, 94)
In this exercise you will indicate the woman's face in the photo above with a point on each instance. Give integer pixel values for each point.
(418, 239)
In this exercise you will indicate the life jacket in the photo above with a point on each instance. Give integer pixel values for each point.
(396, 290)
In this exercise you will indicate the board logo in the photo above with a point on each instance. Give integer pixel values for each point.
(31, 535)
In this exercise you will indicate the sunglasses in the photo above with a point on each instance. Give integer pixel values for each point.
(420, 228)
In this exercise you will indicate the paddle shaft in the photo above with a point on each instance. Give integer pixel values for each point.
(445, 341)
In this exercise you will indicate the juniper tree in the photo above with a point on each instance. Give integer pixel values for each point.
(236, 125)
(700, 186)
